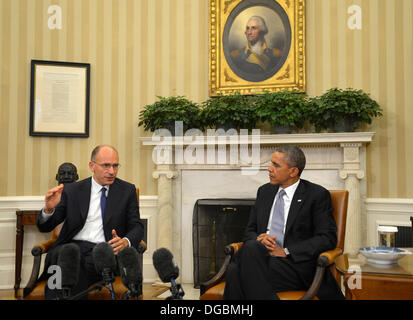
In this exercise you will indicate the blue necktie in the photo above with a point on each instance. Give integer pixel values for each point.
(103, 201)
(277, 223)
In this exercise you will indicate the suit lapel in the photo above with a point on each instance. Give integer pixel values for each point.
(269, 200)
(112, 201)
(296, 204)
(84, 198)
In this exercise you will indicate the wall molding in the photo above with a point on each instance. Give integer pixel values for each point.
(386, 211)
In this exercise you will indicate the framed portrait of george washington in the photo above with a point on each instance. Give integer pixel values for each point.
(256, 46)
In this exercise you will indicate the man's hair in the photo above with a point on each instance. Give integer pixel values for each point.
(294, 157)
(97, 149)
(261, 24)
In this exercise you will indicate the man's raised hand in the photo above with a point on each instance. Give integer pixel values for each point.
(52, 198)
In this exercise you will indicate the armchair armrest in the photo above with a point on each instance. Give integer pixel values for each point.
(37, 252)
(229, 250)
(330, 256)
(42, 247)
(324, 260)
(233, 248)
(142, 246)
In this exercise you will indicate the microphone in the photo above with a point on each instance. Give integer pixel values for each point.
(130, 271)
(168, 271)
(105, 263)
(164, 263)
(69, 262)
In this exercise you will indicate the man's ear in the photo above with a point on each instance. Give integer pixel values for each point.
(294, 172)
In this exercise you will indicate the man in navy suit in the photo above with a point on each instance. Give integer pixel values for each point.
(88, 220)
(290, 224)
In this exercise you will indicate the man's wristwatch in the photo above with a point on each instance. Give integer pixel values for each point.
(287, 253)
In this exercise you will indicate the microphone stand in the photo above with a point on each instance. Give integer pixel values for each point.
(97, 287)
(108, 279)
(176, 290)
(133, 292)
(112, 292)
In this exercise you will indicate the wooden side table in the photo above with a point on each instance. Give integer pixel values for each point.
(377, 282)
(24, 218)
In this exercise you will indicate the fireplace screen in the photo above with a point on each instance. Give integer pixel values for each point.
(216, 224)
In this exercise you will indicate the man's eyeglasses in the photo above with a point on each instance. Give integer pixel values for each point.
(107, 166)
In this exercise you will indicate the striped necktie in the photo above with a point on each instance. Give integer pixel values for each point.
(277, 223)
(103, 202)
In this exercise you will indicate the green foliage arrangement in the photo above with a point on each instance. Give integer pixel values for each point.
(282, 108)
(164, 112)
(229, 111)
(338, 105)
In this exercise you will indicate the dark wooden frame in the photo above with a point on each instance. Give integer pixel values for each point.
(84, 107)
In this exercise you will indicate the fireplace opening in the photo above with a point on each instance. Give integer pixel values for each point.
(216, 224)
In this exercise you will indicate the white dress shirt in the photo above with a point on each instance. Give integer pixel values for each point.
(92, 231)
(288, 197)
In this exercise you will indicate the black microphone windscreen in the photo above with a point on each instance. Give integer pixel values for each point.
(103, 257)
(69, 262)
(165, 265)
(129, 267)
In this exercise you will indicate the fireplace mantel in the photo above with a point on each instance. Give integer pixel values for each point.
(334, 160)
(271, 139)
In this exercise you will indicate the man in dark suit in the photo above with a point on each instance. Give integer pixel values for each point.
(101, 208)
(290, 224)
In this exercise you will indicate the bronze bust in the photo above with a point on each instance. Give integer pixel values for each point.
(67, 173)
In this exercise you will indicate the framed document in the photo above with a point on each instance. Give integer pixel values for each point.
(59, 99)
(256, 46)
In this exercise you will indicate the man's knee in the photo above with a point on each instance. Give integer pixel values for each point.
(254, 246)
(232, 270)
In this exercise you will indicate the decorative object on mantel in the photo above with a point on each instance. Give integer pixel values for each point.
(229, 111)
(342, 110)
(283, 110)
(337, 109)
(164, 113)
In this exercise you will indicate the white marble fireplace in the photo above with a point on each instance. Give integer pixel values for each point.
(192, 168)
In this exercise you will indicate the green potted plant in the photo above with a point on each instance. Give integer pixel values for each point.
(164, 112)
(229, 111)
(283, 110)
(343, 110)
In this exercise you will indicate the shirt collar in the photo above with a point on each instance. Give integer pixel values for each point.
(96, 187)
(290, 190)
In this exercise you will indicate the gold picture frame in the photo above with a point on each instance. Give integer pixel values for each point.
(234, 67)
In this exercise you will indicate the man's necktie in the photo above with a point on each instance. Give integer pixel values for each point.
(277, 223)
(103, 201)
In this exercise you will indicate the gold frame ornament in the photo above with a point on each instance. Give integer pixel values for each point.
(280, 63)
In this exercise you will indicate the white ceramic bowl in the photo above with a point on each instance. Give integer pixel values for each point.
(383, 255)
